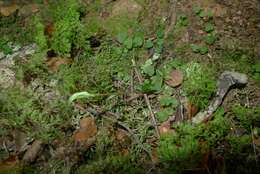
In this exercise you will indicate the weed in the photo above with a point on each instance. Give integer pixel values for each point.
(199, 49)
(114, 164)
(182, 21)
(40, 38)
(247, 117)
(217, 129)
(179, 151)
(22, 109)
(199, 84)
(4, 47)
(211, 38)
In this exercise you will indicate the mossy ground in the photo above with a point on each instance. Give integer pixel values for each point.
(103, 48)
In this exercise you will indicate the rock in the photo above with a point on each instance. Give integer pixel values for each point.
(126, 7)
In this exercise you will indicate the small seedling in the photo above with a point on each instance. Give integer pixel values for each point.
(209, 27)
(138, 40)
(164, 114)
(168, 101)
(182, 21)
(152, 85)
(148, 67)
(128, 43)
(148, 44)
(199, 49)
(210, 39)
(5, 48)
(121, 37)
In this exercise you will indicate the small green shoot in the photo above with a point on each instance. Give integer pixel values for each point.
(211, 38)
(148, 68)
(209, 27)
(168, 101)
(128, 43)
(148, 44)
(121, 37)
(80, 95)
(138, 40)
(199, 49)
(164, 114)
(182, 21)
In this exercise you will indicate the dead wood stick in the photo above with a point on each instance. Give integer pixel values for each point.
(226, 81)
(147, 101)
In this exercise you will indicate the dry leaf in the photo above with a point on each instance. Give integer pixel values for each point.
(165, 128)
(33, 152)
(8, 10)
(55, 62)
(176, 78)
(87, 130)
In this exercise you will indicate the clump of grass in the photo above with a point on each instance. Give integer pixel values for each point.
(23, 110)
(247, 117)
(113, 164)
(68, 32)
(199, 84)
(181, 150)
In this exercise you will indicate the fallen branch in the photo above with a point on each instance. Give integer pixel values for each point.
(147, 101)
(226, 81)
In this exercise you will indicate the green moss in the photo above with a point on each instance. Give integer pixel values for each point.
(23, 110)
(181, 150)
(112, 164)
(216, 131)
(199, 84)
(247, 117)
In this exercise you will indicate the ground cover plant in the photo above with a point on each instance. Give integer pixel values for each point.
(114, 87)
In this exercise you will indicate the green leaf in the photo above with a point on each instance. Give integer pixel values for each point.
(148, 44)
(80, 95)
(182, 21)
(128, 43)
(160, 33)
(195, 48)
(204, 50)
(197, 10)
(157, 81)
(138, 40)
(148, 67)
(168, 101)
(209, 27)
(164, 114)
(121, 37)
(210, 39)
(202, 14)
(256, 68)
